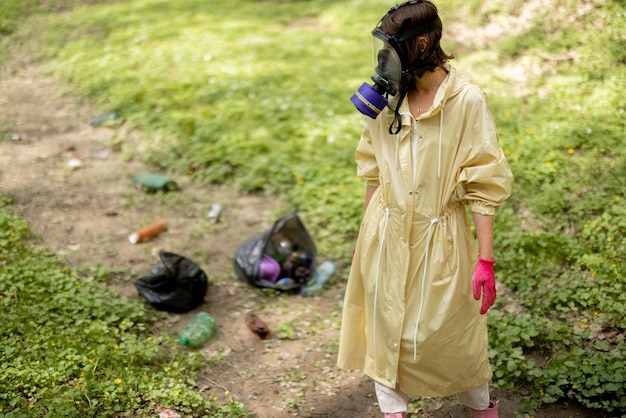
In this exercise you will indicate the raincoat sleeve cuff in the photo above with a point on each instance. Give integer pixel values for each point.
(373, 183)
(482, 208)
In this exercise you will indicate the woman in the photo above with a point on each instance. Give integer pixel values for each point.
(413, 320)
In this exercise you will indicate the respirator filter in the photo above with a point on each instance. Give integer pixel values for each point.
(370, 100)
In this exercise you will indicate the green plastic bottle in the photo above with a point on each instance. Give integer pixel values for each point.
(198, 331)
(152, 183)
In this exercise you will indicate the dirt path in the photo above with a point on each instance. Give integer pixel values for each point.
(86, 214)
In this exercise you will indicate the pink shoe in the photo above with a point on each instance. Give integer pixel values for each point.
(395, 414)
(491, 412)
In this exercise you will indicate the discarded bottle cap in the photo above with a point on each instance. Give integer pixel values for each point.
(147, 232)
(257, 326)
(152, 183)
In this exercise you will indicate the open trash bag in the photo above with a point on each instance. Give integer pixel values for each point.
(179, 285)
(282, 257)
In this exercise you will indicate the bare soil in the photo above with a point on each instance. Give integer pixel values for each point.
(86, 213)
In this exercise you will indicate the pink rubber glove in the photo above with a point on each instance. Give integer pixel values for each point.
(484, 279)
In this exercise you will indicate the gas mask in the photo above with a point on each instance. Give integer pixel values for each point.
(372, 99)
(394, 68)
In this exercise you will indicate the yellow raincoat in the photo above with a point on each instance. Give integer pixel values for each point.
(410, 320)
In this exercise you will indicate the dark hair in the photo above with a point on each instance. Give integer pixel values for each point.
(420, 13)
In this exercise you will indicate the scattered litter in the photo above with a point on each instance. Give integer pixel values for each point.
(286, 283)
(215, 212)
(287, 247)
(322, 274)
(257, 326)
(167, 413)
(85, 149)
(100, 155)
(179, 285)
(74, 163)
(152, 183)
(15, 136)
(148, 232)
(198, 330)
(107, 119)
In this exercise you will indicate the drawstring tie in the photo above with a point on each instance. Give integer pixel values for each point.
(380, 255)
(397, 151)
(440, 142)
(419, 313)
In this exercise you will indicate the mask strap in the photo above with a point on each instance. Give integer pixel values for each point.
(427, 64)
(397, 118)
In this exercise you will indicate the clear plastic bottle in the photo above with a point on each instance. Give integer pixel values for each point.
(321, 275)
(198, 331)
(286, 283)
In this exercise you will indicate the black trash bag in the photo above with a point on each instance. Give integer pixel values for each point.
(179, 285)
(296, 259)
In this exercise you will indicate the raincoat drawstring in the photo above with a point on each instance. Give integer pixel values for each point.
(440, 141)
(397, 151)
(419, 313)
(380, 256)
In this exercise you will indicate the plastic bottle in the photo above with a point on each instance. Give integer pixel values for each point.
(198, 331)
(151, 183)
(321, 275)
(147, 232)
(285, 247)
(279, 247)
(286, 283)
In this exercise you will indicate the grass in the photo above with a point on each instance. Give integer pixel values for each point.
(66, 352)
(255, 94)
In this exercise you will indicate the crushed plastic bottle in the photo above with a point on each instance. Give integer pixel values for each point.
(198, 331)
(322, 274)
(257, 326)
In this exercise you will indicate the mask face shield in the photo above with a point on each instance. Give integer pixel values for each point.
(371, 100)
(389, 69)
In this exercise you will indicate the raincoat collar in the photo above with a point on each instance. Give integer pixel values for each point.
(451, 86)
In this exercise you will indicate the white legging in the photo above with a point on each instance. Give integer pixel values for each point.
(391, 400)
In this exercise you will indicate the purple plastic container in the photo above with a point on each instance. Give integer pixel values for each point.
(269, 269)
